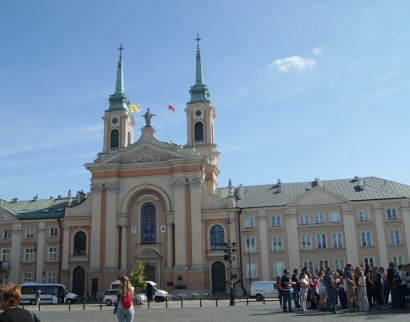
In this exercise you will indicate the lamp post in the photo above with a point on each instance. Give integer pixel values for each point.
(230, 249)
(248, 243)
(35, 262)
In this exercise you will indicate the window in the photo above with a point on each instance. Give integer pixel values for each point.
(321, 241)
(51, 277)
(278, 268)
(199, 131)
(334, 217)
(339, 264)
(391, 213)
(148, 223)
(114, 139)
(253, 270)
(251, 248)
(369, 261)
(52, 254)
(29, 232)
(26, 277)
(323, 263)
(217, 237)
(5, 255)
(309, 265)
(306, 242)
(394, 237)
(275, 220)
(319, 218)
(1, 216)
(304, 219)
(397, 260)
(366, 237)
(53, 232)
(28, 255)
(249, 222)
(277, 244)
(80, 243)
(337, 241)
(363, 215)
(6, 233)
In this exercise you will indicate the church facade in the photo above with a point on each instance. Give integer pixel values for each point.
(160, 203)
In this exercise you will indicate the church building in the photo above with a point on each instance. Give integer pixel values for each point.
(160, 203)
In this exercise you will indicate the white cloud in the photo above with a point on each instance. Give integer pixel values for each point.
(318, 50)
(295, 62)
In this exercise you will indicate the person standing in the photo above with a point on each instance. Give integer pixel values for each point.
(401, 284)
(361, 290)
(125, 309)
(390, 278)
(287, 285)
(10, 298)
(348, 277)
(296, 288)
(280, 290)
(38, 299)
(304, 285)
(331, 289)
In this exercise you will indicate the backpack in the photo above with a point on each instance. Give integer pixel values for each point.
(397, 279)
(126, 300)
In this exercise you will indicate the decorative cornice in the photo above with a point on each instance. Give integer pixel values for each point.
(145, 157)
(96, 188)
(196, 182)
(112, 188)
(177, 184)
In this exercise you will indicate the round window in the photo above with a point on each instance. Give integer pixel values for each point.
(198, 113)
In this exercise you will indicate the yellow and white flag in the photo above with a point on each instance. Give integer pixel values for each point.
(135, 108)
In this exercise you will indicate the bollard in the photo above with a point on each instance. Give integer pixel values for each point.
(247, 300)
(166, 302)
(23, 305)
(69, 305)
(100, 303)
(83, 304)
(182, 302)
(216, 301)
(148, 301)
(39, 306)
(263, 300)
(200, 302)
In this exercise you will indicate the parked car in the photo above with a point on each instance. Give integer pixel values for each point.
(110, 297)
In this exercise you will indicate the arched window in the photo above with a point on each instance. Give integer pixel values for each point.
(199, 132)
(148, 223)
(80, 243)
(114, 139)
(217, 237)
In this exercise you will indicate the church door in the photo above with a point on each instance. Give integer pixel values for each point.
(79, 281)
(218, 278)
(149, 273)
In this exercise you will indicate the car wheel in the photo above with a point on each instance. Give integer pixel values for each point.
(157, 299)
(258, 297)
(68, 301)
(162, 300)
(108, 302)
(33, 302)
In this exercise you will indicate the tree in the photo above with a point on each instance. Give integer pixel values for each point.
(137, 276)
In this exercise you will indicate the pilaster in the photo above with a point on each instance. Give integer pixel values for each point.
(178, 185)
(40, 251)
(381, 238)
(15, 253)
(95, 246)
(124, 247)
(170, 245)
(111, 228)
(263, 241)
(292, 234)
(196, 224)
(350, 234)
(405, 211)
(66, 248)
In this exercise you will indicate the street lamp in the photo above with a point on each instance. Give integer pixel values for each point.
(230, 250)
(248, 243)
(35, 262)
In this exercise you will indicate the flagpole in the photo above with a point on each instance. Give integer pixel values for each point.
(168, 123)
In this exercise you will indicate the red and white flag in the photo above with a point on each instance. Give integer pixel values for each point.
(170, 107)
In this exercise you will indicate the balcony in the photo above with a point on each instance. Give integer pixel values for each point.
(5, 266)
(79, 258)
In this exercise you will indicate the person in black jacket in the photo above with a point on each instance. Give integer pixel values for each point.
(10, 297)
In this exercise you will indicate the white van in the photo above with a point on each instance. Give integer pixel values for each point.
(154, 293)
(50, 294)
(262, 289)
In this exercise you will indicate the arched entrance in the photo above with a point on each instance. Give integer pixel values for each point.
(79, 281)
(218, 277)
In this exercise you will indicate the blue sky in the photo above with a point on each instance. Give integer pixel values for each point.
(302, 89)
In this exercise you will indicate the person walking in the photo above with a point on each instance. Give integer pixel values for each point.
(10, 298)
(125, 309)
(280, 290)
(38, 299)
(287, 285)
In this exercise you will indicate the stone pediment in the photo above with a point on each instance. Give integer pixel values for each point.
(318, 196)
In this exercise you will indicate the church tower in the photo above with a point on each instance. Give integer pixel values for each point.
(118, 121)
(200, 124)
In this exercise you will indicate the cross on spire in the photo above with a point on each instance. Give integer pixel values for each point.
(120, 49)
(198, 39)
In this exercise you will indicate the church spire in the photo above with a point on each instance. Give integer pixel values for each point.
(118, 100)
(199, 92)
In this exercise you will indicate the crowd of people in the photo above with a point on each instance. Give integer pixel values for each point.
(354, 288)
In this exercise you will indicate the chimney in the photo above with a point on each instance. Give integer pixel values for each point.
(15, 199)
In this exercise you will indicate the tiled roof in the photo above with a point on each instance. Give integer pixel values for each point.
(36, 209)
(271, 195)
